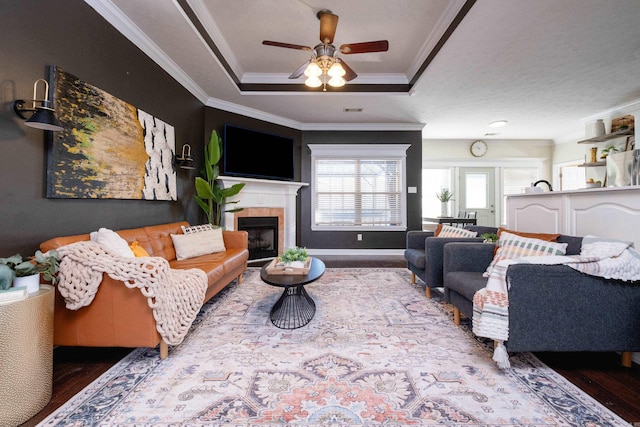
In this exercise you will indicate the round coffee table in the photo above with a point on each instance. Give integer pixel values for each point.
(295, 308)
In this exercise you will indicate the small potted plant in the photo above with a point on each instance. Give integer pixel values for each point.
(609, 150)
(489, 237)
(295, 257)
(444, 196)
(27, 272)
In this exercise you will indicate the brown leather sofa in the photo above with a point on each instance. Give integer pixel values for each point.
(120, 316)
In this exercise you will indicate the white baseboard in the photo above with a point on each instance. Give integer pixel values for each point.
(370, 252)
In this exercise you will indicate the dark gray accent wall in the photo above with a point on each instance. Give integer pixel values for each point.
(370, 239)
(36, 34)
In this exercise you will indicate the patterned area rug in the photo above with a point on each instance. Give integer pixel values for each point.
(376, 352)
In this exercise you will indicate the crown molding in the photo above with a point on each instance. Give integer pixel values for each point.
(271, 118)
(614, 112)
(435, 36)
(114, 16)
(200, 9)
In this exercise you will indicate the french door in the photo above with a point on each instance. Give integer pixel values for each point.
(477, 194)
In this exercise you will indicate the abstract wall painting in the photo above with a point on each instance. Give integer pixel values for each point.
(108, 149)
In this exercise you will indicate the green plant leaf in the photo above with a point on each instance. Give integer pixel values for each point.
(204, 205)
(233, 190)
(215, 148)
(203, 190)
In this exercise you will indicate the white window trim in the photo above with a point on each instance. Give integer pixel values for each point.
(362, 151)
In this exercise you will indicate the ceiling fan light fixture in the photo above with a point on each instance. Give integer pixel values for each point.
(313, 70)
(313, 81)
(337, 81)
(336, 70)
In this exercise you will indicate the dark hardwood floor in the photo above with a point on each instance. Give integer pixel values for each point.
(598, 374)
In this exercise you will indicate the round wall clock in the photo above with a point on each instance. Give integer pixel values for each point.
(479, 148)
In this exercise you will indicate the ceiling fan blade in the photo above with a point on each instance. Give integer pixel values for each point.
(287, 45)
(350, 74)
(365, 47)
(328, 25)
(297, 73)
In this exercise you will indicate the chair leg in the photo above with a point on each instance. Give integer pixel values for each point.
(413, 278)
(164, 349)
(427, 292)
(240, 279)
(456, 316)
(627, 359)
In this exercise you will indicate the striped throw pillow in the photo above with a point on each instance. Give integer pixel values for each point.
(449, 231)
(196, 228)
(512, 246)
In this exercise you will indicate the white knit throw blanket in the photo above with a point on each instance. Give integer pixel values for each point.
(175, 296)
(611, 259)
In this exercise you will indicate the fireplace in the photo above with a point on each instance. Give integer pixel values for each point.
(263, 235)
(263, 197)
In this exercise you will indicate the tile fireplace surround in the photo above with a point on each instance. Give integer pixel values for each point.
(263, 197)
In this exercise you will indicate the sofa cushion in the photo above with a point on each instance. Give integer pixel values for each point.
(443, 230)
(196, 244)
(512, 246)
(466, 283)
(415, 257)
(574, 244)
(212, 265)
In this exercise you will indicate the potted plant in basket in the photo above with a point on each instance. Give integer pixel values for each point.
(210, 195)
(27, 272)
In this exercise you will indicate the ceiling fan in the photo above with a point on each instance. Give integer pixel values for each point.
(325, 67)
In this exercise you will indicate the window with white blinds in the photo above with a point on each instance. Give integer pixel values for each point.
(359, 187)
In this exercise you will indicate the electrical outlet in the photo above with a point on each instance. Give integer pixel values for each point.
(359, 237)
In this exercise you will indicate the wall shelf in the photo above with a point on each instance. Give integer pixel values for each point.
(592, 164)
(607, 137)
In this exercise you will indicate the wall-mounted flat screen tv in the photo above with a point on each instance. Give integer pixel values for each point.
(253, 154)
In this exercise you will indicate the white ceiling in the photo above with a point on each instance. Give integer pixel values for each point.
(548, 67)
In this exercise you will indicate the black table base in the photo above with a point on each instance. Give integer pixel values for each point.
(294, 309)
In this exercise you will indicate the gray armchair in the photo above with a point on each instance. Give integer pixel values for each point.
(551, 307)
(424, 254)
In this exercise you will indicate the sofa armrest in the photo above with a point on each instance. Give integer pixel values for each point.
(434, 257)
(416, 239)
(557, 308)
(472, 257)
(236, 239)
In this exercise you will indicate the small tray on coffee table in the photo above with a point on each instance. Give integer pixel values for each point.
(276, 268)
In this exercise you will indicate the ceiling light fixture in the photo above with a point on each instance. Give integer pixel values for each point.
(324, 68)
(498, 124)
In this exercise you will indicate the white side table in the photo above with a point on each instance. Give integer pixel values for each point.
(26, 353)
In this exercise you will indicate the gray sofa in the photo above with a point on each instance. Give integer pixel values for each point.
(424, 251)
(551, 307)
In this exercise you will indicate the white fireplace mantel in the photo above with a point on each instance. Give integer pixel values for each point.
(265, 193)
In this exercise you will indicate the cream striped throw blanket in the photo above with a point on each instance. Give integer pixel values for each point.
(602, 257)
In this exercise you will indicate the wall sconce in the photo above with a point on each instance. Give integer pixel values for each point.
(185, 161)
(42, 117)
